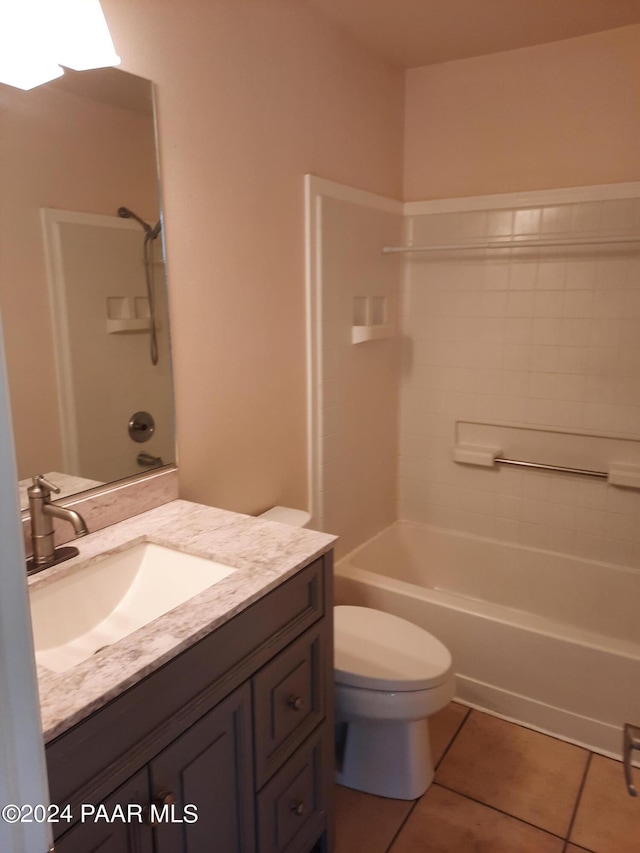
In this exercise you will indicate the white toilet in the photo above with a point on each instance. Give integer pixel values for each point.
(390, 676)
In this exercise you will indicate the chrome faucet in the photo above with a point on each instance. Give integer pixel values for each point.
(42, 513)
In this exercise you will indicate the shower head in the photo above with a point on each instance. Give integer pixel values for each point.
(152, 233)
(125, 213)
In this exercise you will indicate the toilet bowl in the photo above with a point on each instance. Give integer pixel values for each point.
(390, 676)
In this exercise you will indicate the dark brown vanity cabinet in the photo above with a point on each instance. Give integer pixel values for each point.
(236, 731)
(188, 773)
(115, 836)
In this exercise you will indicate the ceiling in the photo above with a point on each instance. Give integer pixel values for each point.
(412, 33)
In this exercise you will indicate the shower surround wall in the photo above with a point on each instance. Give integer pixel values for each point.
(543, 338)
(503, 565)
(353, 387)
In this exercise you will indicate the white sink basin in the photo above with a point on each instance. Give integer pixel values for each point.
(86, 610)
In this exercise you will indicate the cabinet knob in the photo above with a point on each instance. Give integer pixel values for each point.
(299, 808)
(165, 798)
(161, 799)
(295, 702)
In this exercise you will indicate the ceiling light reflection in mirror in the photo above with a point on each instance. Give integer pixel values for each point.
(37, 37)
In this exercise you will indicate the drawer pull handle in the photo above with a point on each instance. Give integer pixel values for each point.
(299, 808)
(295, 702)
(162, 798)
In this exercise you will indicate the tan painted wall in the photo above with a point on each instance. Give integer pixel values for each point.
(561, 114)
(251, 96)
(68, 152)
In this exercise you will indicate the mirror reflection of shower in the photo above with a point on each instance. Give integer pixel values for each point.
(150, 234)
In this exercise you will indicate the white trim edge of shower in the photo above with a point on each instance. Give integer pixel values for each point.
(315, 189)
(529, 198)
(342, 192)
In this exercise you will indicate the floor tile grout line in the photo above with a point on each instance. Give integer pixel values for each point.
(501, 811)
(453, 739)
(577, 803)
(565, 839)
(590, 755)
(402, 824)
(439, 762)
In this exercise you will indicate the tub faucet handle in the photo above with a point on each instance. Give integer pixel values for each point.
(631, 742)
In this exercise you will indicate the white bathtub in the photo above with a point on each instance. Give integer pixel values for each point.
(547, 640)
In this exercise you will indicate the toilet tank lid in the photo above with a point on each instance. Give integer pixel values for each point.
(287, 515)
(379, 651)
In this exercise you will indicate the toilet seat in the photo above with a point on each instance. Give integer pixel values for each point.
(379, 651)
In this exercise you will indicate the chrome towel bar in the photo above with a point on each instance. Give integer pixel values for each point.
(583, 472)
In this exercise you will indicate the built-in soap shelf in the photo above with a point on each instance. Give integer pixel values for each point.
(127, 314)
(360, 334)
(595, 455)
(370, 319)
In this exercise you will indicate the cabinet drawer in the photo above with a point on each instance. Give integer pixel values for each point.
(292, 807)
(288, 700)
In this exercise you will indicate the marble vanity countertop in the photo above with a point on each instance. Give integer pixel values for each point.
(263, 552)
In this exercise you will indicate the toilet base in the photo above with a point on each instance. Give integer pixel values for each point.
(389, 759)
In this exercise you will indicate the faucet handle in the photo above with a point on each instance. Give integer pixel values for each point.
(40, 482)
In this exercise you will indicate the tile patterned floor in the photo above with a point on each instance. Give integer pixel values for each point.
(499, 788)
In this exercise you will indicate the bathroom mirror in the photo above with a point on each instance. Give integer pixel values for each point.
(82, 280)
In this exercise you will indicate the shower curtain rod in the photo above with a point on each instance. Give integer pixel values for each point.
(512, 244)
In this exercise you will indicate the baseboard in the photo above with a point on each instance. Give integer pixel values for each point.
(583, 731)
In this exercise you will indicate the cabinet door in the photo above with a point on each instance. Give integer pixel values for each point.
(209, 767)
(114, 834)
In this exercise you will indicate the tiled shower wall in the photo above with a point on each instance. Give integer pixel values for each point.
(544, 338)
(359, 400)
